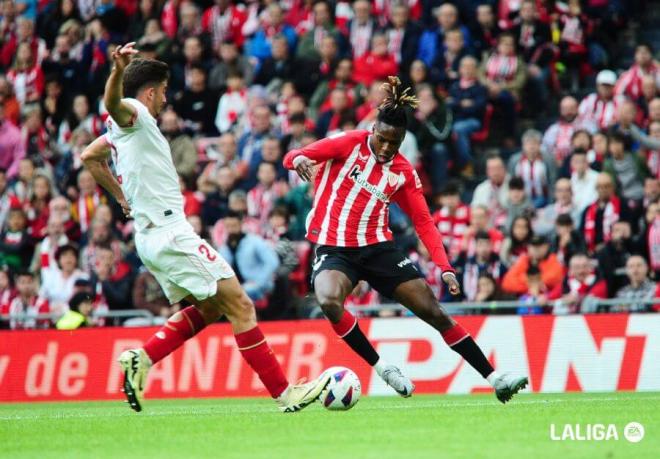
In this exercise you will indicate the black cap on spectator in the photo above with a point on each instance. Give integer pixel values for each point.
(538, 239)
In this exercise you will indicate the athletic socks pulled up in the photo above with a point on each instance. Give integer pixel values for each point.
(180, 327)
(348, 329)
(258, 354)
(460, 341)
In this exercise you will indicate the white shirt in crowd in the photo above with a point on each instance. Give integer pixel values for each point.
(584, 189)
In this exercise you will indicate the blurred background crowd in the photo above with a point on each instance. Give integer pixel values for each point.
(537, 139)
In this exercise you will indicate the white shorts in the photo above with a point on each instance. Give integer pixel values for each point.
(182, 262)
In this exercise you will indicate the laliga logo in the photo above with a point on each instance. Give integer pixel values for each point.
(633, 432)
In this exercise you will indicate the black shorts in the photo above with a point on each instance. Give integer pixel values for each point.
(382, 265)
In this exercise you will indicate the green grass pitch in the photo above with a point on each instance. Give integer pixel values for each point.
(474, 426)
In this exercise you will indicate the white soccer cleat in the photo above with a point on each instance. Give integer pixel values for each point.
(136, 365)
(394, 378)
(298, 396)
(507, 385)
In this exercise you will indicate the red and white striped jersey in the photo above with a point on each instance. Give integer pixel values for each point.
(602, 113)
(353, 193)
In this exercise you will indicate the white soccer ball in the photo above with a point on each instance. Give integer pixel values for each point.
(343, 391)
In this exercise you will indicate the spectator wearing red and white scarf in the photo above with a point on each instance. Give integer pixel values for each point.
(579, 282)
(536, 168)
(224, 21)
(557, 138)
(26, 302)
(504, 74)
(43, 260)
(261, 198)
(361, 28)
(26, 76)
(452, 219)
(24, 34)
(597, 219)
(601, 108)
(89, 199)
(630, 82)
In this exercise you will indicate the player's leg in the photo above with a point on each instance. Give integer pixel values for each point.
(232, 301)
(334, 278)
(417, 296)
(331, 288)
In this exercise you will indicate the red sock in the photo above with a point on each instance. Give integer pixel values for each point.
(345, 324)
(260, 357)
(180, 327)
(454, 335)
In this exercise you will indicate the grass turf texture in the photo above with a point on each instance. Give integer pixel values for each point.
(474, 426)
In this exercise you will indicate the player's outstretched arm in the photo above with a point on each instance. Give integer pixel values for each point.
(303, 160)
(95, 158)
(411, 200)
(121, 112)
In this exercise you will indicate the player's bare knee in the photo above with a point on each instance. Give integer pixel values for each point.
(332, 305)
(241, 310)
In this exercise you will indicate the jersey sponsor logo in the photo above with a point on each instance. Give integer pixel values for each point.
(404, 262)
(356, 176)
(206, 251)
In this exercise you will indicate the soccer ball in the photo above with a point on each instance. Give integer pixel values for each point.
(343, 391)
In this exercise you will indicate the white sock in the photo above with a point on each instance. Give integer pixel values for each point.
(492, 377)
(380, 366)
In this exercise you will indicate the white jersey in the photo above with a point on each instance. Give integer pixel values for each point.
(145, 171)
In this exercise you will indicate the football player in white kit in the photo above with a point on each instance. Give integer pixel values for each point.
(147, 188)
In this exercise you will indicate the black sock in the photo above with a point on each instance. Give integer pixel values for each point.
(474, 356)
(361, 345)
(348, 329)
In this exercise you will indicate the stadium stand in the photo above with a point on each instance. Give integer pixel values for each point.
(543, 115)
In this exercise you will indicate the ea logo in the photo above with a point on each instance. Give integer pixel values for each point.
(633, 432)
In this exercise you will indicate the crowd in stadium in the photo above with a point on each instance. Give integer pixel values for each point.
(537, 138)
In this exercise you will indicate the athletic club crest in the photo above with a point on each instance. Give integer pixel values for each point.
(392, 178)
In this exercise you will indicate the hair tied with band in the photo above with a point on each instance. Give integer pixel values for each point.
(395, 97)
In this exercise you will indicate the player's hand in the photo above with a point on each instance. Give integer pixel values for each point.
(125, 207)
(452, 283)
(304, 167)
(122, 55)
